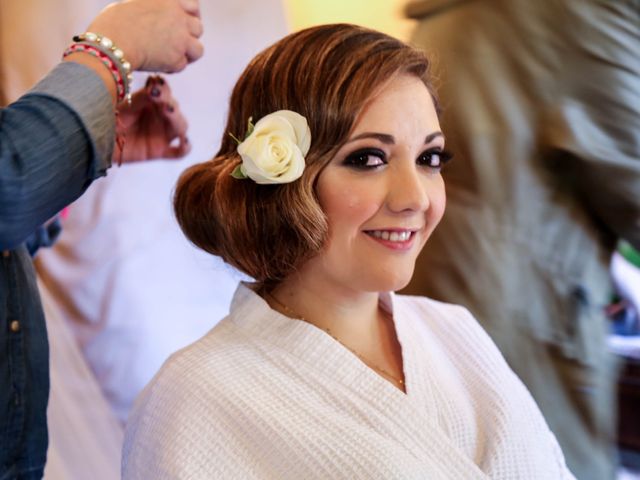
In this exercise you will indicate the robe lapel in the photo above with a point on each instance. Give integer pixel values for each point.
(425, 416)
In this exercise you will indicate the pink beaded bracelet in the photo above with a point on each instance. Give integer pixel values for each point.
(113, 69)
(112, 57)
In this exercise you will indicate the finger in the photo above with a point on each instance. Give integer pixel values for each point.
(157, 136)
(158, 89)
(178, 65)
(194, 24)
(167, 108)
(195, 49)
(178, 151)
(128, 113)
(192, 7)
(176, 122)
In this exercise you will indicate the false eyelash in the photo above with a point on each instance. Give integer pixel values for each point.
(444, 156)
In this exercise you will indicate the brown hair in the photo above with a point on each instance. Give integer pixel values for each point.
(324, 73)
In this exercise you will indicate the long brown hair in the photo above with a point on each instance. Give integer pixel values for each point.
(324, 73)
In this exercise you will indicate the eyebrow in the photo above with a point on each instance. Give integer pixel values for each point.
(389, 140)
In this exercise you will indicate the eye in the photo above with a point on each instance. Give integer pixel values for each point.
(367, 158)
(434, 158)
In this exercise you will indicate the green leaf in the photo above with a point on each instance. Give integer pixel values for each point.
(250, 127)
(234, 137)
(238, 173)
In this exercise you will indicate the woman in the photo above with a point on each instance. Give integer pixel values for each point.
(319, 371)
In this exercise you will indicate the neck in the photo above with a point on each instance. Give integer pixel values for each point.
(345, 313)
(355, 321)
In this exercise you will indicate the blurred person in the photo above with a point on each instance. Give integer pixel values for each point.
(319, 370)
(542, 103)
(128, 284)
(121, 273)
(54, 141)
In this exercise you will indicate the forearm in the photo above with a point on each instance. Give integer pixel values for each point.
(53, 142)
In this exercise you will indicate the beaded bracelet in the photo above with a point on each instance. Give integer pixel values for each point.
(113, 69)
(116, 56)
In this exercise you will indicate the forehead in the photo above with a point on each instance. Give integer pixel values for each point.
(403, 101)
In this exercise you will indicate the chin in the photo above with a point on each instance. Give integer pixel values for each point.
(390, 282)
(399, 285)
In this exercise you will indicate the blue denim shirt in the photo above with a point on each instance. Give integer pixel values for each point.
(54, 142)
(24, 376)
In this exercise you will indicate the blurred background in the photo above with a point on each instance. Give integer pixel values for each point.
(123, 289)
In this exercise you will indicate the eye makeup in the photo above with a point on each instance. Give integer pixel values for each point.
(434, 158)
(371, 158)
(365, 159)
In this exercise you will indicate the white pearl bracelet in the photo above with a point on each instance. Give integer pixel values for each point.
(105, 45)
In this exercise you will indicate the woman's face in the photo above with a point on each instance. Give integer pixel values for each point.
(382, 192)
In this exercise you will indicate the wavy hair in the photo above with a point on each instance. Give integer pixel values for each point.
(325, 73)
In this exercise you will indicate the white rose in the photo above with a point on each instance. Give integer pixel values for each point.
(274, 151)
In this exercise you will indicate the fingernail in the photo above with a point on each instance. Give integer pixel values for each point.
(155, 92)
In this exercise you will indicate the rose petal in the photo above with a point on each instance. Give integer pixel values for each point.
(299, 124)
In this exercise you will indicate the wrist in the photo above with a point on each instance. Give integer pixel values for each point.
(98, 67)
(110, 55)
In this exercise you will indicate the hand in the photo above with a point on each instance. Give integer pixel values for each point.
(152, 126)
(155, 35)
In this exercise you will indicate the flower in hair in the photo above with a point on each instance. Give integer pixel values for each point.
(274, 149)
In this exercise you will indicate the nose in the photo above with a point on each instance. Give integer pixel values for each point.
(407, 189)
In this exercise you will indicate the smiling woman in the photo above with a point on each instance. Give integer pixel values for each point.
(320, 371)
(382, 193)
(329, 86)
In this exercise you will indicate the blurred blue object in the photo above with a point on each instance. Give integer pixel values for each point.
(625, 320)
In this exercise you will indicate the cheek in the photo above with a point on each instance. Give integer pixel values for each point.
(437, 202)
(349, 208)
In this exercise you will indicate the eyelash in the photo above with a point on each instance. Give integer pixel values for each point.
(360, 158)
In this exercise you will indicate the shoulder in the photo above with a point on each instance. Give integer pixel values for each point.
(453, 325)
(176, 428)
(200, 368)
(435, 312)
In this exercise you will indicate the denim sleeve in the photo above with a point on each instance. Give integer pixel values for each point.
(54, 141)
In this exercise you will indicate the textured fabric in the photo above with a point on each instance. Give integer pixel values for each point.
(266, 396)
(24, 363)
(53, 142)
(542, 111)
(85, 437)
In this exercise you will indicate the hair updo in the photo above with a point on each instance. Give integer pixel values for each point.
(324, 73)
